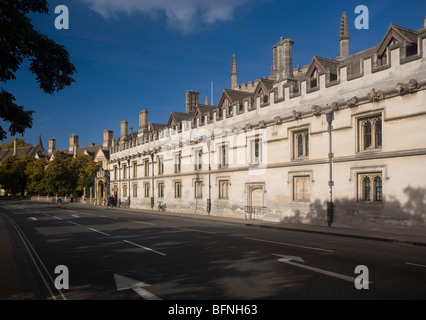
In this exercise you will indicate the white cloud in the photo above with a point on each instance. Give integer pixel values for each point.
(185, 15)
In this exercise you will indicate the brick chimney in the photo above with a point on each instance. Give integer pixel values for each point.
(143, 120)
(192, 100)
(123, 127)
(52, 145)
(108, 137)
(282, 67)
(73, 143)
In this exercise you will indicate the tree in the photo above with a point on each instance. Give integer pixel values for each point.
(85, 169)
(49, 61)
(13, 174)
(59, 177)
(36, 183)
(19, 143)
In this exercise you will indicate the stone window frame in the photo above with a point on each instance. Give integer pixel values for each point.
(124, 189)
(135, 169)
(177, 186)
(135, 190)
(376, 141)
(373, 178)
(177, 162)
(252, 159)
(223, 192)
(198, 188)
(146, 189)
(161, 187)
(198, 159)
(146, 167)
(160, 160)
(290, 180)
(296, 134)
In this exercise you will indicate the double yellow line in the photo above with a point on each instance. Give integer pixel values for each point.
(36, 260)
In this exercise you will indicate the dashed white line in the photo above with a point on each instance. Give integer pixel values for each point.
(99, 232)
(415, 264)
(57, 218)
(146, 248)
(74, 223)
(143, 222)
(195, 230)
(289, 244)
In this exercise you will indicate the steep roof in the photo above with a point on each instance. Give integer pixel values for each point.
(176, 117)
(399, 34)
(36, 151)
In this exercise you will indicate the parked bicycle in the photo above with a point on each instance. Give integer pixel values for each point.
(161, 206)
(124, 204)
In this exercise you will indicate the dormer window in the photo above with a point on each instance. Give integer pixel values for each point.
(230, 110)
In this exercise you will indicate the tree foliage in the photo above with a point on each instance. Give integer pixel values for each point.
(49, 61)
(36, 183)
(10, 144)
(13, 174)
(63, 175)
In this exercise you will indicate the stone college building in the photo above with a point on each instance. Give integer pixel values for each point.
(339, 141)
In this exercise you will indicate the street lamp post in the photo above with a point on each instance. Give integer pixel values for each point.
(128, 165)
(330, 205)
(209, 204)
(152, 197)
(119, 183)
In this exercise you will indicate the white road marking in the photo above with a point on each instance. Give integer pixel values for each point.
(57, 218)
(290, 244)
(195, 230)
(74, 223)
(415, 264)
(146, 248)
(99, 232)
(125, 283)
(143, 222)
(287, 260)
(47, 215)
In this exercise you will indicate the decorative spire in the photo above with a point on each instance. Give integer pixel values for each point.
(207, 101)
(344, 29)
(234, 66)
(234, 72)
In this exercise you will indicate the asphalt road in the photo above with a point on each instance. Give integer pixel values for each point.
(119, 254)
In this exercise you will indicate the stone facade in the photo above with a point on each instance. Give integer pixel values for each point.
(263, 151)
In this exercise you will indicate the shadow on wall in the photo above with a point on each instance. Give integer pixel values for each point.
(389, 215)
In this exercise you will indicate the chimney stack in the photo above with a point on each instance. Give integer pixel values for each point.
(123, 129)
(344, 37)
(192, 100)
(282, 68)
(73, 143)
(15, 146)
(108, 136)
(143, 120)
(52, 145)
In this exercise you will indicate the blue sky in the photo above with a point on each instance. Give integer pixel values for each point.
(133, 55)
